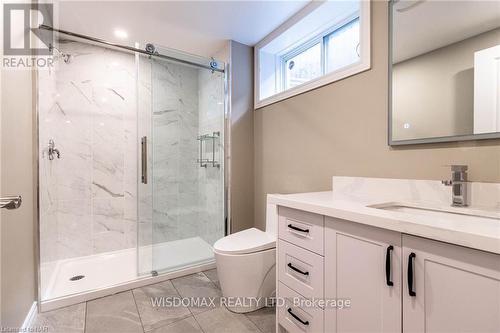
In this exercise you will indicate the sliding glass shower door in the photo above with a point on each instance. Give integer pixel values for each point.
(181, 211)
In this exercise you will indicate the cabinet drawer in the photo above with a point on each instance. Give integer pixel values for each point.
(296, 317)
(301, 228)
(300, 269)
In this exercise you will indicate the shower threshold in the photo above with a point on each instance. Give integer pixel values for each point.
(71, 281)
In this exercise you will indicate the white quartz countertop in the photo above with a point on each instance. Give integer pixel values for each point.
(484, 235)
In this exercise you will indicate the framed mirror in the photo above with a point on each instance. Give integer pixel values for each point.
(444, 71)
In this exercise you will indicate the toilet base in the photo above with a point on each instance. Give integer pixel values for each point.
(248, 281)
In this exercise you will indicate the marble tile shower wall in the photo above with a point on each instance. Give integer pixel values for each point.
(188, 199)
(211, 180)
(88, 196)
(175, 150)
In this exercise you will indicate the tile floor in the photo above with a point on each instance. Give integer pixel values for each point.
(132, 311)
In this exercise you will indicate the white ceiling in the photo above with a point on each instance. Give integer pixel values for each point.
(423, 26)
(198, 27)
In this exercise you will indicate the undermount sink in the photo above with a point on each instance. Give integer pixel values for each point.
(463, 214)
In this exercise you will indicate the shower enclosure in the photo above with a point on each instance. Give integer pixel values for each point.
(131, 167)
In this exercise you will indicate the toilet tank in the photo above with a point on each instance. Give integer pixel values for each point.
(272, 219)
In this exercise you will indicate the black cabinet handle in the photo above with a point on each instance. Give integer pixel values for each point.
(291, 226)
(388, 266)
(297, 317)
(411, 260)
(296, 269)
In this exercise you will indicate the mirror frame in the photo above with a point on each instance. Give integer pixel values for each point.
(391, 142)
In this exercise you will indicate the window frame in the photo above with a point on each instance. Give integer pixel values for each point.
(363, 64)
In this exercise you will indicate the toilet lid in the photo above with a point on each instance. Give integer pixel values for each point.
(246, 241)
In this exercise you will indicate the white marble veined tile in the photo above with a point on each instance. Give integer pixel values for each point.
(107, 241)
(107, 214)
(88, 107)
(74, 237)
(210, 218)
(108, 159)
(48, 232)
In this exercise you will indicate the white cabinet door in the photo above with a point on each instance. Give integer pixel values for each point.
(357, 258)
(453, 288)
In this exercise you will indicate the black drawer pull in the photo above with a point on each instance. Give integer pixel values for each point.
(297, 317)
(291, 226)
(388, 266)
(411, 260)
(296, 269)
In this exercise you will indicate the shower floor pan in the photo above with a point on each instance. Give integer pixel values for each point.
(75, 280)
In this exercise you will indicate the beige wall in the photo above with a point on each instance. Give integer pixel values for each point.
(17, 173)
(341, 129)
(434, 92)
(242, 204)
(17, 176)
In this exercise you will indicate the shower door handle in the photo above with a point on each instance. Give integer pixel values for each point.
(144, 159)
(11, 202)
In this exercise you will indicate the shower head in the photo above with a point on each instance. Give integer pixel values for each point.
(66, 57)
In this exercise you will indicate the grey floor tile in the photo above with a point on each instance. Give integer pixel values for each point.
(116, 313)
(187, 325)
(198, 286)
(221, 320)
(212, 275)
(155, 314)
(264, 319)
(70, 319)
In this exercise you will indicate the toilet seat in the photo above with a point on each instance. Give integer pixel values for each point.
(247, 241)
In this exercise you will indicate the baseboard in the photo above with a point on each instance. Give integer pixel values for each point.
(30, 317)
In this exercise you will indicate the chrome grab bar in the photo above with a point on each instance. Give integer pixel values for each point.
(11, 202)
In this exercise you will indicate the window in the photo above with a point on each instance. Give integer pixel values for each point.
(339, 48)
(342, 46)
(325, 42)
(303, 66)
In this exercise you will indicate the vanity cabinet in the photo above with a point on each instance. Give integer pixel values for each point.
(362, 265)
(449, 288)
(394, 282)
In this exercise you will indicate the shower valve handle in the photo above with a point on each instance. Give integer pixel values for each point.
(52, 150)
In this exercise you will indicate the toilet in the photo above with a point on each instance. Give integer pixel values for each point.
(246, 266)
